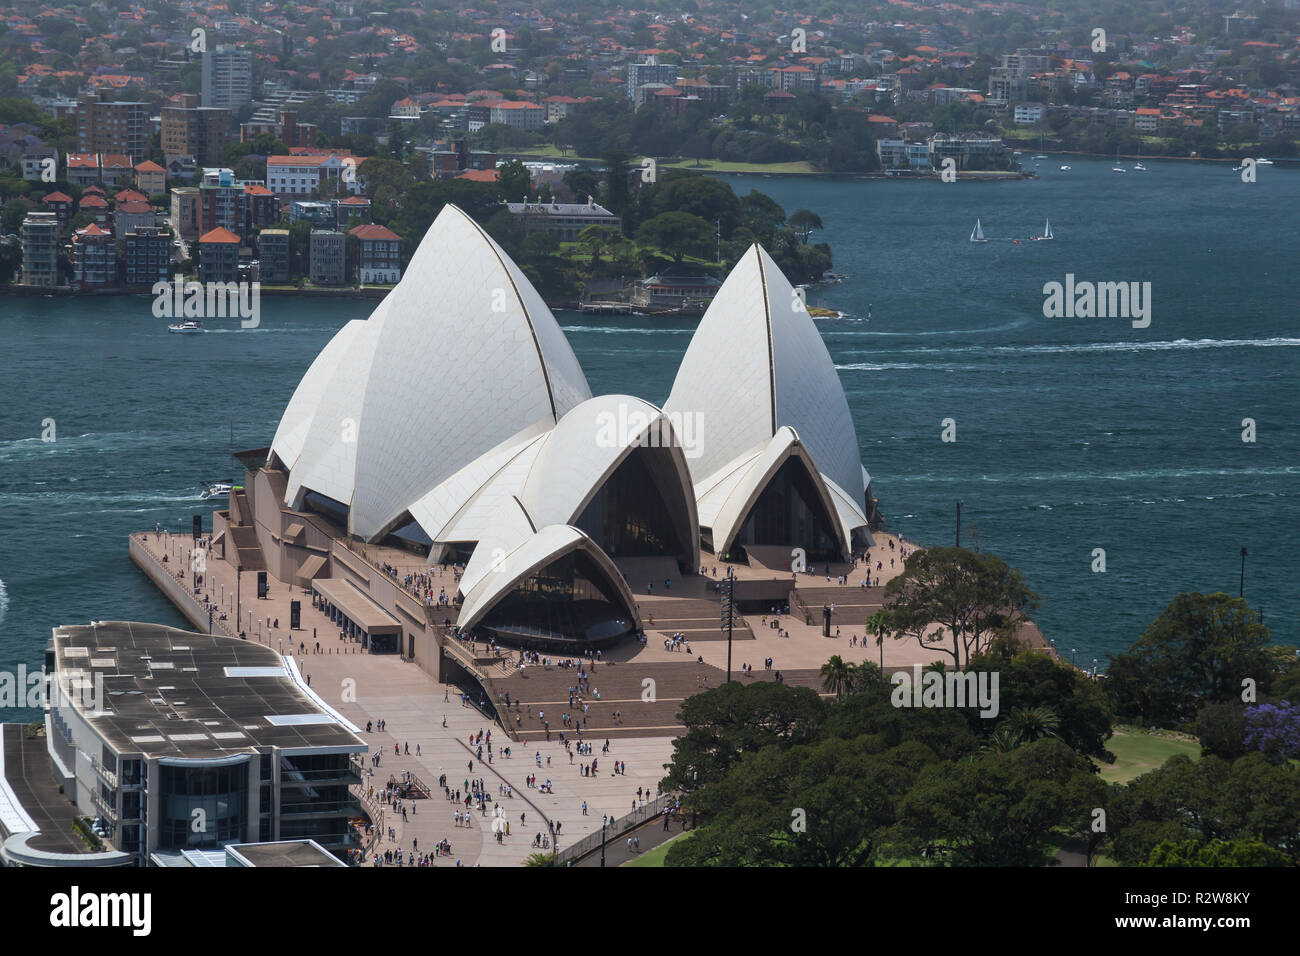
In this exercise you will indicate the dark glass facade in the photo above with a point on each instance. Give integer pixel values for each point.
(315, 801)
(570, 600)
(220, 793)
(628, 516)
(789, 512)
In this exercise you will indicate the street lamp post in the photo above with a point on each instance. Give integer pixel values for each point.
(731, 613)
(602, 840)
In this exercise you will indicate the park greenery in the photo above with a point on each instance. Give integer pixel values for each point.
(781, 775)
(683, 223)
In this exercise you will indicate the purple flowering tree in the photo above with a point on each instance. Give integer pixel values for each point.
(1274, 730)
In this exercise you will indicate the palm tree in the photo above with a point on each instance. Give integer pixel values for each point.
(837, 676)
(1034, 722)
(597, 239)
(1003, 740)
(877, 625)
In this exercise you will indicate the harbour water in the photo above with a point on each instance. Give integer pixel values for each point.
(1071, 434)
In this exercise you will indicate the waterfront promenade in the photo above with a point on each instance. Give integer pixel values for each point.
(428, 727)
(370, 687)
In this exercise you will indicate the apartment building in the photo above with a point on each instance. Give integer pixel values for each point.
(227, 77)
(379, 258)
(327, 264)
(40, 236)
(110, 126)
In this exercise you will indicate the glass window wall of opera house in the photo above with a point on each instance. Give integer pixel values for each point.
(568, 603)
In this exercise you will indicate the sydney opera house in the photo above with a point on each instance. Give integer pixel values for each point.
(455, 426)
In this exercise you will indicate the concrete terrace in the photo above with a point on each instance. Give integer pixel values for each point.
(643, 684)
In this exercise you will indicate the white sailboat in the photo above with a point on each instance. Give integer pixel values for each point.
(1047, 231)
(977, 234)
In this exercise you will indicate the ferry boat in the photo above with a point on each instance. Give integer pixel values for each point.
(189, 325)
(977, 234)
(216, 489)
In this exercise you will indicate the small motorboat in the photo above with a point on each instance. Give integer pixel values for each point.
(189, 325)
(1139, 167)
(216, 489)
(1263, 162)
(1065, 169)
(1118, 169)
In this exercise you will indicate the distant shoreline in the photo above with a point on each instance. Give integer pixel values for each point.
(65, 292)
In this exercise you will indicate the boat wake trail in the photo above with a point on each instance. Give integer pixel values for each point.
(1176, 345)
(610, 330)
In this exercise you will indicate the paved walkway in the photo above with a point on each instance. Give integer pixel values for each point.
(651, 835)
(428, 717)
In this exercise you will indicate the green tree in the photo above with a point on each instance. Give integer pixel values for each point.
(1035, 723)
(837, 675)
(762, 215)
(726, 722)
(828, 804)
(1029, 680)
(515, 181)
(598, 239)
(1216, 853)
(957, 595)
(1199, 651)
(582, 182)
(803, 222)
(1001, 808)
(1221, 729)
(616, 180)
(1207, 799)
(678, 234)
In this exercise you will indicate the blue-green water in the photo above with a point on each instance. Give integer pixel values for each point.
(1072, 434)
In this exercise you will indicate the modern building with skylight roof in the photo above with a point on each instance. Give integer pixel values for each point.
(176, 741)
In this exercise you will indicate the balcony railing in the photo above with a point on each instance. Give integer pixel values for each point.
(104, 773)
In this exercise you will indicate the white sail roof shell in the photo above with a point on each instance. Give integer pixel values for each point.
(462, 357)
(470, 356)
(732, 499)
(757, 362)
(500, 572)
(296, 421)
(327, 462)
(586, 447)
(461, 508)
(552, 479)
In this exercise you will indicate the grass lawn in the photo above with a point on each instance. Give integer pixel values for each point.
(718, 166)
(545, 153)
(1137, 752)
(656, 856)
